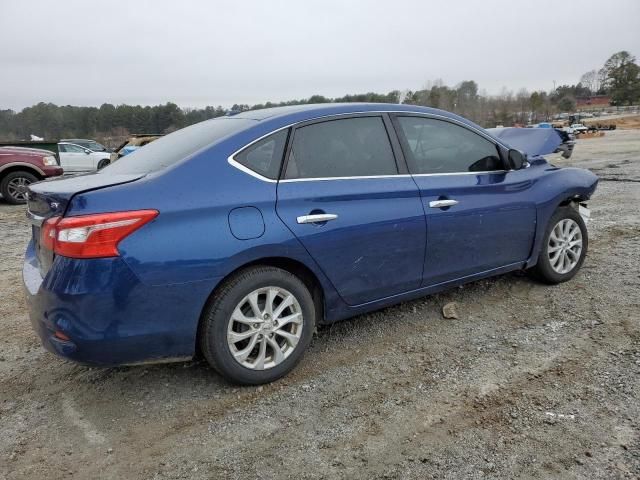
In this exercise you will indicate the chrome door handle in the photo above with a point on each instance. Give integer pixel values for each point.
(442, 203)
(320, 217)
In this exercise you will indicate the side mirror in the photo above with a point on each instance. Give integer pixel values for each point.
(517, 159)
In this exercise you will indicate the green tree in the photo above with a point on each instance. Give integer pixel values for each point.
(567, 104)
(536, 102)
(622, 78)
(466, 97)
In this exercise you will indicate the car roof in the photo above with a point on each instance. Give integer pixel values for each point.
(321, 109)
(272, 118)
(78, 140)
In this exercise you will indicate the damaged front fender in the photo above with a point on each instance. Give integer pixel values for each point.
(536, 141)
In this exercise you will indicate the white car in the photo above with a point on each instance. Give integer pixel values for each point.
(579, 128)
(77, 159)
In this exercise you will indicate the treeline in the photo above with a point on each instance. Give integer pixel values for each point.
(619, 77)
(109, 121)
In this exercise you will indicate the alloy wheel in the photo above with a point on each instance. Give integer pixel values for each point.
(17, 188)
(265, 328)
(565, 246)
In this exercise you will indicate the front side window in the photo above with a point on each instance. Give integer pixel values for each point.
(350, 147)
(437, 146)
(265, 156)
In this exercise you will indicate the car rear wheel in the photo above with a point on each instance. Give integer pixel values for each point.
(14, 186)
(565, 246)
(257, 326)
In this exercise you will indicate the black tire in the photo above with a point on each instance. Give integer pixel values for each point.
(11, 192)
(217, 316)
(103, 163)
(544, 270)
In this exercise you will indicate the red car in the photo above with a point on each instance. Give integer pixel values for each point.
(21, 166)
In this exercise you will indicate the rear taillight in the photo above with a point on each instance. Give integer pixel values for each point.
(92, 236)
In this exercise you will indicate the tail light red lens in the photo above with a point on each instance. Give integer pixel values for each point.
(92, 236)
(48, 233)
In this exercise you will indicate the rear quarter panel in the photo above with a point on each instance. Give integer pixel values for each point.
(191, 240)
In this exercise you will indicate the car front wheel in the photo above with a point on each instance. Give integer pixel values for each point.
(14, 186)
(565, 246)
(257, 326)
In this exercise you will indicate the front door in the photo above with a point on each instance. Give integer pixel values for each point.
(342, 197)
(73, 158)
(479, 214)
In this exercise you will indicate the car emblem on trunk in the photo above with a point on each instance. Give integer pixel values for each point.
(54, 205)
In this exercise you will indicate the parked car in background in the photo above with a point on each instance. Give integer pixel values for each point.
(290, 217)
(87, 143)
(20, 167)
(579, 128)
(78, 159)
(133, 143)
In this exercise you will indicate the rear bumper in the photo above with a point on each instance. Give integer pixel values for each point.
(109, 316)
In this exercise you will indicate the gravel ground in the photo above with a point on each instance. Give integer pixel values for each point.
(531, 381)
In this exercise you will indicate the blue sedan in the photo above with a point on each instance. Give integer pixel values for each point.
(235, 237)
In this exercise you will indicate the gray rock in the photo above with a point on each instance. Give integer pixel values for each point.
(450, 310)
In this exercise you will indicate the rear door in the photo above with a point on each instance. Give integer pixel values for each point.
(480, 215)
(342, 196)
(73, 158)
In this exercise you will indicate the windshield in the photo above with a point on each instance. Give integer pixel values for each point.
(176, 146)
(95, 146)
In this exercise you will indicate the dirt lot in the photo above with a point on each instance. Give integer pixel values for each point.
(624, 123)
(531, 381)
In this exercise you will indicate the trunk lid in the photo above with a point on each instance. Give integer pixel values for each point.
(50, 198)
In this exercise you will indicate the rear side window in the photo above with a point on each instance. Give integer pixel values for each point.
(350, 147)
(265, 156)
(436, 146)
(176, 146)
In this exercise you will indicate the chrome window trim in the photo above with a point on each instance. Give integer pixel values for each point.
(400, 175)
(361, 177)
(231, 160)
(248, 171)
(483, 172)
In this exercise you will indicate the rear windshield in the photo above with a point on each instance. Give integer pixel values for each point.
(176, 146)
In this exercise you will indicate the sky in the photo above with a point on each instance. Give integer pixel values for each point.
(216, 52)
